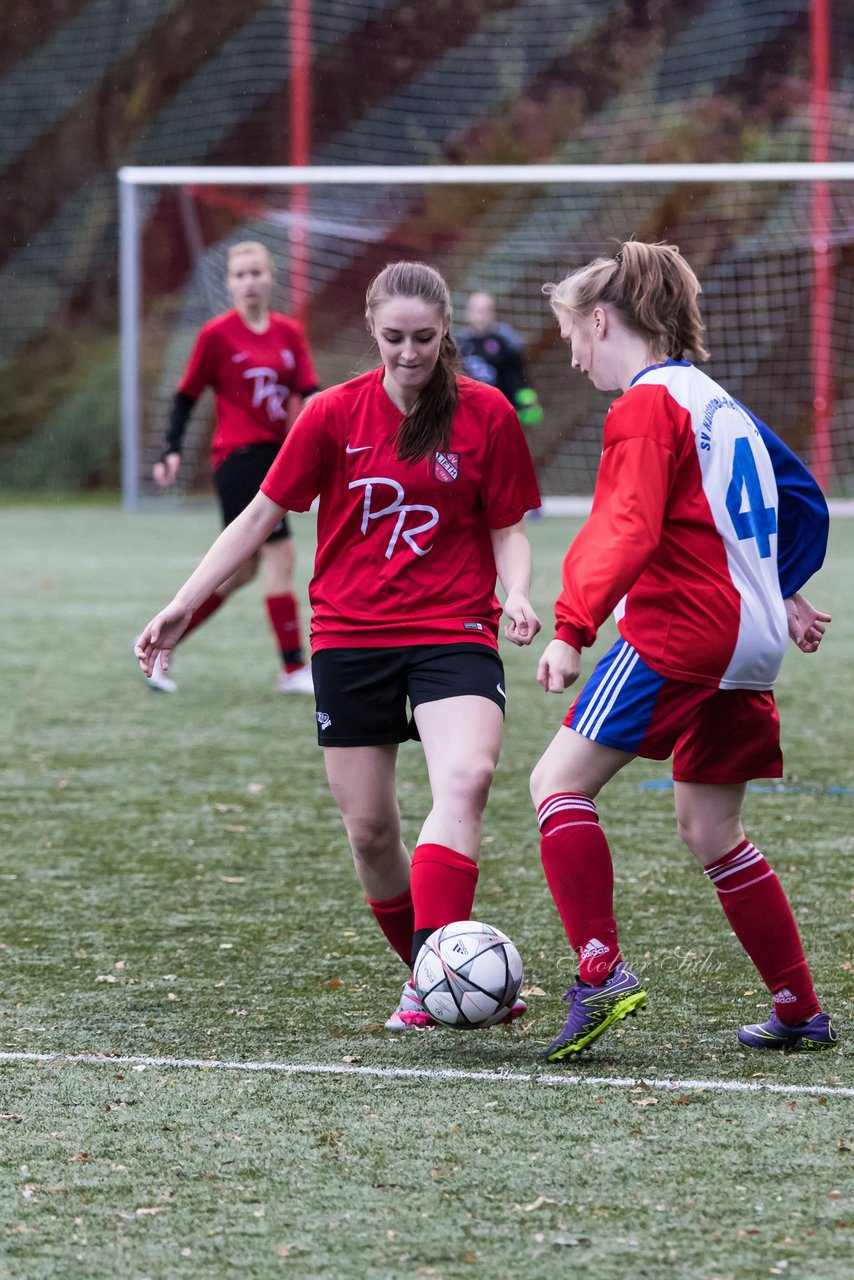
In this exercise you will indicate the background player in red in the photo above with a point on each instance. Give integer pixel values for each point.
(260, 368)
(704, 527)
(424, 478)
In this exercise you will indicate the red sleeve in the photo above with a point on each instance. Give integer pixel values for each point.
(200, 371)
(510, 482)
(304, 374)
(293, 481)
(624, 528)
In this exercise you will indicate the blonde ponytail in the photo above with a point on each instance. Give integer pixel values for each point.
(653, 289)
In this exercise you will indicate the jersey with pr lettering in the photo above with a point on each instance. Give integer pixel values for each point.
(404, 554)
(702, 521)
(252, 376)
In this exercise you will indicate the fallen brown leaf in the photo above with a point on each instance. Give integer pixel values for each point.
(537, 1204)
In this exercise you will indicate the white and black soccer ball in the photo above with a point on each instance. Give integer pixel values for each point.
(468, 974)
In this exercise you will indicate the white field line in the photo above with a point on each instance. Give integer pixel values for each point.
(440, 1075)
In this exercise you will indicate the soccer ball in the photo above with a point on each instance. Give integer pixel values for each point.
(467, 974)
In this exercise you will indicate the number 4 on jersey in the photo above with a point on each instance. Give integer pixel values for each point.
(758, 521)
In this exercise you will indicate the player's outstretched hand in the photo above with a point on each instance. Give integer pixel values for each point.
(806, 624)
(524, 623)
(559, 667)
(161, 635)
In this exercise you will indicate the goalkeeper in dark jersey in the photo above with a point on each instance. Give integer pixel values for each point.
(493, 352)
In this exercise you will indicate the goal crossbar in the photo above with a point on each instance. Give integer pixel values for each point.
(447, 174)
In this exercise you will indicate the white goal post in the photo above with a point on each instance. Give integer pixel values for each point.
(773, 246)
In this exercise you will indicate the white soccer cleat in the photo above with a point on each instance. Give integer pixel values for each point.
(158, 680)
(410, 1014)
(298, 681)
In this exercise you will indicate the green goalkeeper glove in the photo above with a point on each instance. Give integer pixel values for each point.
(528, 407)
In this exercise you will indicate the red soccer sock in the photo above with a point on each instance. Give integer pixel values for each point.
(443, 884)
(204, 611)
(396, 919)
(580, 874)
(760, 917)
(284, 619)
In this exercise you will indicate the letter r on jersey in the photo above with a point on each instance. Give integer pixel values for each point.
(398, 508)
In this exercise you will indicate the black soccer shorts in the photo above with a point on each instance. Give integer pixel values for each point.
(361, 694)
(238, 479)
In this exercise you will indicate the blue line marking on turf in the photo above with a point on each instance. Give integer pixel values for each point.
(772, 788)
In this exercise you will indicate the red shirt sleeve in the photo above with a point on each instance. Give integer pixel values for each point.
(294, 479)
(200, 372)
(510, 482)
(305, 378)
(623, 530)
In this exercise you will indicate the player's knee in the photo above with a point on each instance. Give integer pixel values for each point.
(706, 839)
(544, 782)
(371, 838)
(688, 833)
(537, 784)
(469, 781)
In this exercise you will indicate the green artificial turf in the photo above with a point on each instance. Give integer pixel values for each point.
(176, 884)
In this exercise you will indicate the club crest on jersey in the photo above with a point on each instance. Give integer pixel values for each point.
(446, 467)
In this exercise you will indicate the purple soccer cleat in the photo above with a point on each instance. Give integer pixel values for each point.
(592, 1010)
(813, 1036)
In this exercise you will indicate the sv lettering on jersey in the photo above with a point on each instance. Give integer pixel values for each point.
(268, 391)
(397, 508)
(713, 407)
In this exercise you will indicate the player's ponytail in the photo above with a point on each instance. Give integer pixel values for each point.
(653, 289)
(427, 426)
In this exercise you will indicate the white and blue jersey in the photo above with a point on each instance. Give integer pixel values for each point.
(702, 521)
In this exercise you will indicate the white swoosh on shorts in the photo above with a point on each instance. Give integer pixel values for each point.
(501, 691)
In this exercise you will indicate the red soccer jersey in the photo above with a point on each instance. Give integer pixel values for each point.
(252, 375)
(404, 554)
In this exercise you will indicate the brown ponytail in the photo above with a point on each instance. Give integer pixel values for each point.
(653, 289)
(427, 425)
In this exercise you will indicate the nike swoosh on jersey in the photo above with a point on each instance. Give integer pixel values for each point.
(358, 448)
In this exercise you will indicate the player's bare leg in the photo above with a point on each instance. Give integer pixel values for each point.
(461, 737)
(362, 781)
(574, 763)
(708, 818)
(278, 567)
(758, 912)
(578, 868)
(462, 742)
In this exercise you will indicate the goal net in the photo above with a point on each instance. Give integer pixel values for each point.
(773, 246)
